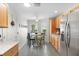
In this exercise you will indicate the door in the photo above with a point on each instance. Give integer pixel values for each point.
(74, 44)
(71, 29)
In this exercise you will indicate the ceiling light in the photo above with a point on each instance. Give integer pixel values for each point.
(36, 20)
(56, 11)
(27, 4)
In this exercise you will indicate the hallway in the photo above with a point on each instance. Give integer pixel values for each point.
(46, 50)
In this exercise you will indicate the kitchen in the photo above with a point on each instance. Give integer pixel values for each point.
(15, 21)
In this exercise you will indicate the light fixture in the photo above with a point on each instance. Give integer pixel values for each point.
(36, 20)
(27, 4)
(55, 11)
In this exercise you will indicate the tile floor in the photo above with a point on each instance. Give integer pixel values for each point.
(46, 50)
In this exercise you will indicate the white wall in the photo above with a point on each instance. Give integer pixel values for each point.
(22, 36)
(10, 32)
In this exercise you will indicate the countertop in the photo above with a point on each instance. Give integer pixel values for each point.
(5, 46)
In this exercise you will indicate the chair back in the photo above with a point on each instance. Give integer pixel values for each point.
(28, 36)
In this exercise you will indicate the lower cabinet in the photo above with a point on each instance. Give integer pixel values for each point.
(55, 42)
(12, 52)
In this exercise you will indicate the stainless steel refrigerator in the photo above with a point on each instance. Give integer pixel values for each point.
(70, 45)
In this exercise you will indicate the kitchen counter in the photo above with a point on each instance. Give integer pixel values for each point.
(6, 46)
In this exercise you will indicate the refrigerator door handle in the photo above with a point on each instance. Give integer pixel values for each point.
(67, 36)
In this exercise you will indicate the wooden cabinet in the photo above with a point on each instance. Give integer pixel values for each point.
(12, 52)
(3, 16)
(54, 37)
(53, 26)
(55, 23)
(55, 41)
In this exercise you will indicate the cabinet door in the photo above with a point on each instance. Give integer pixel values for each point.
(58, 22)
(12, 52)
(53, 26)
(3, 16)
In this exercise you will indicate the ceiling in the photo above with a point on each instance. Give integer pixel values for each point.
(45, 10)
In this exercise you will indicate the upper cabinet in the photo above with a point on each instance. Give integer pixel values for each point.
(57, 21)
(55, 24)
(3, 16)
